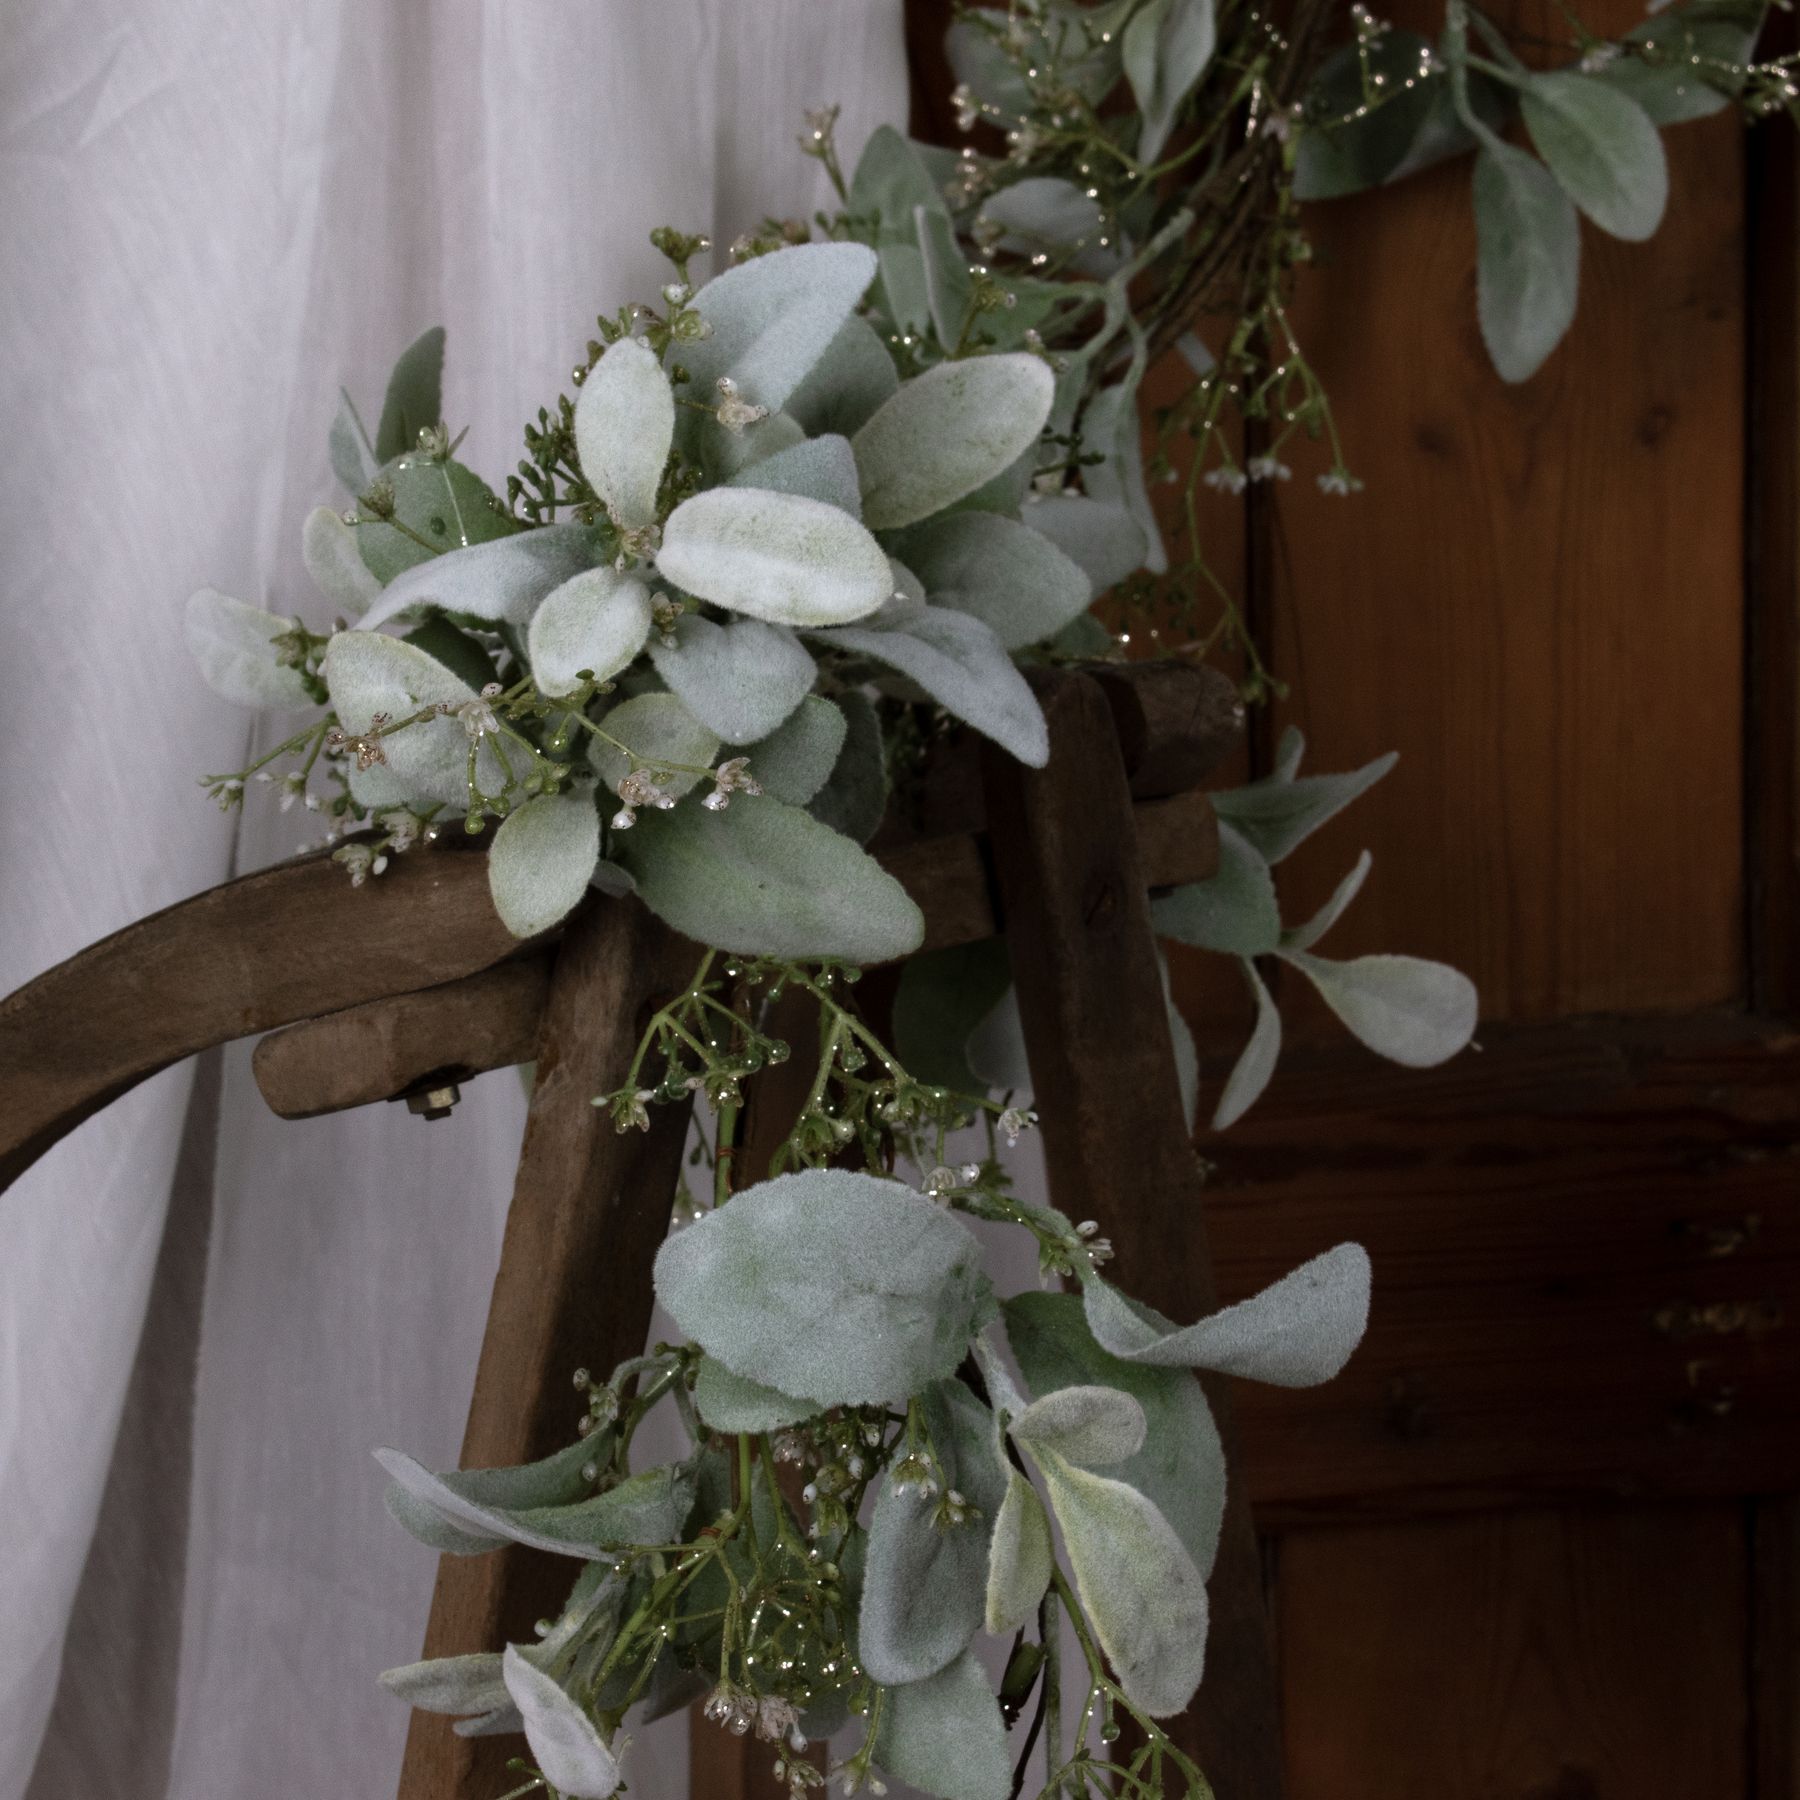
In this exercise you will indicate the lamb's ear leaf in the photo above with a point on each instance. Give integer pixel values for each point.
(847, 384)
(567, 1748)
(504, 579)
(741, 679)
(943, 995)
(442, 506)
(945, 1736)
(854, 800)
(1104, 539)
(1233, 911)
(450, 1684)
(624, 425)
(1182, 1463)
(353, 458)
(430, 1528)
(946, 271)
(924, 1589)
(1353, 146)
(1087, 1425)
(1047, 213)
(1303, 937)
(1688, 61)
(774, 556)
(1138, 1586)
(819, 468)
(1112, 431)
(833, 1286)
(1296, 1333)
(797, 758)
(542, 858)
(1281, 811)
(1251, 1073)
(891, 185)
(733, 1403)
(959, 662)
(328, 548)
(1410, 1010)
(415, 396)
(1166, 47)
(773, 318)
(1016, 581)
(660, 729)
(596, 621)
(996, 1050)
(1019, 1558)
(947, 432)
(1529, 258)
(234, 646)
(1603, 149)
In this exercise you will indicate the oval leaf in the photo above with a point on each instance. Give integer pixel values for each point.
(1529, 266)
(503, 580)
(1019, 1559)
(835, 1286)
(1105, 540)
(945, 1735)
(662, 731)
(1014, 580)
(568, 1750)
(741, 679)
(1085, 1425)
(1602, 148)
(1255, 1065)
(794, 762)
(1411, 1011)
(328, 548)
(234, 646)
(820, 468)
(597, 621)
(624, 425)
(847, 384)
(450, 1684)
(1166, 47)
(1233, 911)
(542, 859)
(949, 431)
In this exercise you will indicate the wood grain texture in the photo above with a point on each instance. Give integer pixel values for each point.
(590, 1207)
(1576, 1655)
(1116, 1146)
(1537, 601)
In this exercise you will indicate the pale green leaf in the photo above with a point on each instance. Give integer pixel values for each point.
(1111, 430)
(503, 580)
(1234, 911)
(1345, 144)
(847, 384)
(764, 879)
(541, 859)
(1529, 267)
(450, 1684)
(819, 468)
(442, 505)
(661, 731)
(1296, 1333)
(596, 621)
(1303, 937)
(1087, 1425)
(1013, 579)
(948, 289)
(1184, 1050)
(741, 679)
(723, 454)
(732, 1403)
(774, 317)
(948, 431)
(1255, 1065)
(796, 760)
(1019, 1559)
(945, 1736)
(1046, 213)
(1104, 539)
(430, 1528)
(943, 995)
(1405, 1008)
(565, 1744)
(833, 1286)
(624, 426)
(415, 400)
(890, 185)
(1602, 148)
(996, 1049)
(1181, 1466)
(328, 549)
(353, 458)
(854, 800)
(925, 1584)
(233, 644)
(1137, 1584)
(1166, 48)
(778, 557)
(959, 662)
(1281, 811)
(368, 673)
(1688, 62)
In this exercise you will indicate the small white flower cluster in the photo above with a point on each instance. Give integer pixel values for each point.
(1268, 468)
(731, 777)
(739, 1711)
(1013, 1124)
(944, 1181)
(637, 790)
(1339, 481)
(1095, 1248)
(734, 411)
(477, 716)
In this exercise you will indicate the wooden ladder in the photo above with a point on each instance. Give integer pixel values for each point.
(410, 985)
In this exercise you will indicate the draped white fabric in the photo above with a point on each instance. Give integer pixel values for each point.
(210, 213)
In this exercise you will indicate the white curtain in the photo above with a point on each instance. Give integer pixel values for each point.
(211, 212)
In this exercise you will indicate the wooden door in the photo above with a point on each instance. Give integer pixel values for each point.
(1535, 1544)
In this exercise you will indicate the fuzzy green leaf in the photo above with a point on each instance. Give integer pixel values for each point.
(353, 458)
(958, 661)
(1104, 539)
(847, 384)
(1281, 811)
(595, 621)
(1602, 148)
(854, 800)
(830, 1285)
(1255, 1065)
(1019, 1559)
(624, 425)
(415, 398)
(741, 679)
(796, 760)
(1086, 1425)
(328, 549)
(1047, 213)
(1014, 580)
(925, 1585)
(945, 1735)
(1411, 1011)
(733, 1403)
(541, 860)
(947, 432)
(1529, 267)
(233, 644)
(1234, 911)
(443, 507)
(1296, 1333)
(1166, 48)
(661, 730)
(778, 557)
(1303, 937)
(943, 995)
(568, 1750)
(504, 580)
(945, 268)
(450, 1684)
(1112, 430)
(820, 468)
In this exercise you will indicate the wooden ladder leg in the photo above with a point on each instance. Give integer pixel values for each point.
(1115, 1142)
(590, 1206)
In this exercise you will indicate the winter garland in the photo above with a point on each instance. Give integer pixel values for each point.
(797, 520)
